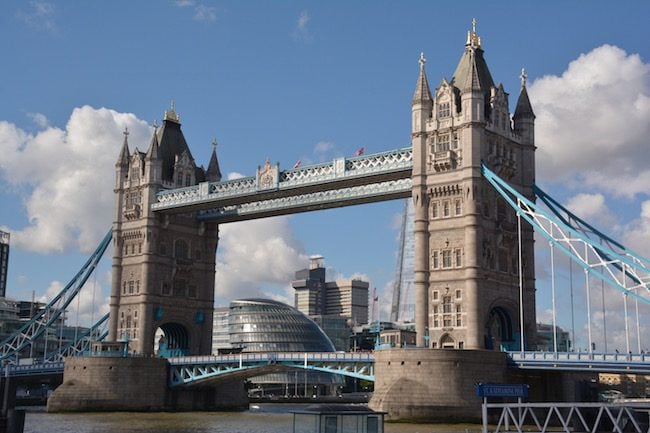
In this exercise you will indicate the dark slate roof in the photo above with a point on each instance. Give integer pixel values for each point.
(472, 71)
(214, 172)
(123, 159)
(172, 143)
(524, 109)
(422, 92)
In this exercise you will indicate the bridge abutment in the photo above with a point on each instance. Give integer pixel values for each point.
(424, 384)
(136, 384)
(439, 385)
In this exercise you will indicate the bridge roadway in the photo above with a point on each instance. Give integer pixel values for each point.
(189, 370)
(342, 182)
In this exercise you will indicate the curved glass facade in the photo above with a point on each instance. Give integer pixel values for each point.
(263, 325)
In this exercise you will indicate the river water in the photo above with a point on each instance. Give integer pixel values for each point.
(266, 419)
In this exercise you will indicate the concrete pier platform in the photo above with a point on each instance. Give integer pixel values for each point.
(108, 383)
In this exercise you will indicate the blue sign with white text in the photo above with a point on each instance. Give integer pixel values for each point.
(501, 390)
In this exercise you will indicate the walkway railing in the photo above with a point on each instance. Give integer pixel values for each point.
(583, 361)
(568, 417)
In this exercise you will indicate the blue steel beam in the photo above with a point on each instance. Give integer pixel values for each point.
(196, 369)
(37, 326)
(597, 258)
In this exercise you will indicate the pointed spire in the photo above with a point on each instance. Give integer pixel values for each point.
(152, 152)
(214, 173)
(422, 92)
(123, 159)
(524, 108)
(472, 80)
(171, 114)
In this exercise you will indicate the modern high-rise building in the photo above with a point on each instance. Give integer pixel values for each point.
(315, 296)
(4, 262)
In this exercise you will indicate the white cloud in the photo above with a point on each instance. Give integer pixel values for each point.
(86, 308)
(592, 122)
(592, 208)
(202, 12)
(205, 13)
(301, 31)
(637, 232)
(40, 16)
(39, 120)
(69, 173)
(322, 148)
(255, 258)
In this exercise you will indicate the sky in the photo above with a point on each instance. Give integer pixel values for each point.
(308, 81)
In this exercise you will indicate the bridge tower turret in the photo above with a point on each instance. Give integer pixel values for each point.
(466, 238)
(163, 266)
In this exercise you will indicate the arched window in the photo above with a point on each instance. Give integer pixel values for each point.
(181, 251)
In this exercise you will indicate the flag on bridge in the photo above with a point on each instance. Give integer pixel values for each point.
(360, 151)
(297, 164)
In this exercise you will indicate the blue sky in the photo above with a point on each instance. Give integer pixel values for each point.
(301, 80)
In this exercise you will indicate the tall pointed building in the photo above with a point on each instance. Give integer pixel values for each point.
(163, 265)
(466, 274)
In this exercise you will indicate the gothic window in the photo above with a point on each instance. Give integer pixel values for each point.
(503, 260)
(179, 288)
(124, 288)
(180, 249)
(436, 324)
(435, 295)
(459, 320)
(444, 109)
(140, 248)
(446, 258)
(131, 285)
(188, 180)
(446, 304)
(458, 257)
(434, 210)
(179, 179)
(458, 207)
(443, 143)
(454, 141)
(166, 290)
(446, 321)
(458, 294)
(134, 173)
(137, 287)
(435, 260)
(445, 209)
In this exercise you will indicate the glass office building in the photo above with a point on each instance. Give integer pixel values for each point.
(264, 325)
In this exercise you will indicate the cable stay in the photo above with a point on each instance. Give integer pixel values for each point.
(97, 332)
(38, 325)
(588, 230)
(602, 257)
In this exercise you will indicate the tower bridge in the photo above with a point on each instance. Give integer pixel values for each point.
(470, 173)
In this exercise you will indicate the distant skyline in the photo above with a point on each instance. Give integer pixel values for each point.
(306, 81)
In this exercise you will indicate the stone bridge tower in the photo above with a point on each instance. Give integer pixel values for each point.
(163, 265)
(466, 236)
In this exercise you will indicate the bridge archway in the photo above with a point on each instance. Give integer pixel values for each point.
(499, 329)
(447, 342)
(172, 339)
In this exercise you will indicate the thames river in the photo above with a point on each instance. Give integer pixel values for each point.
(266, 419)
